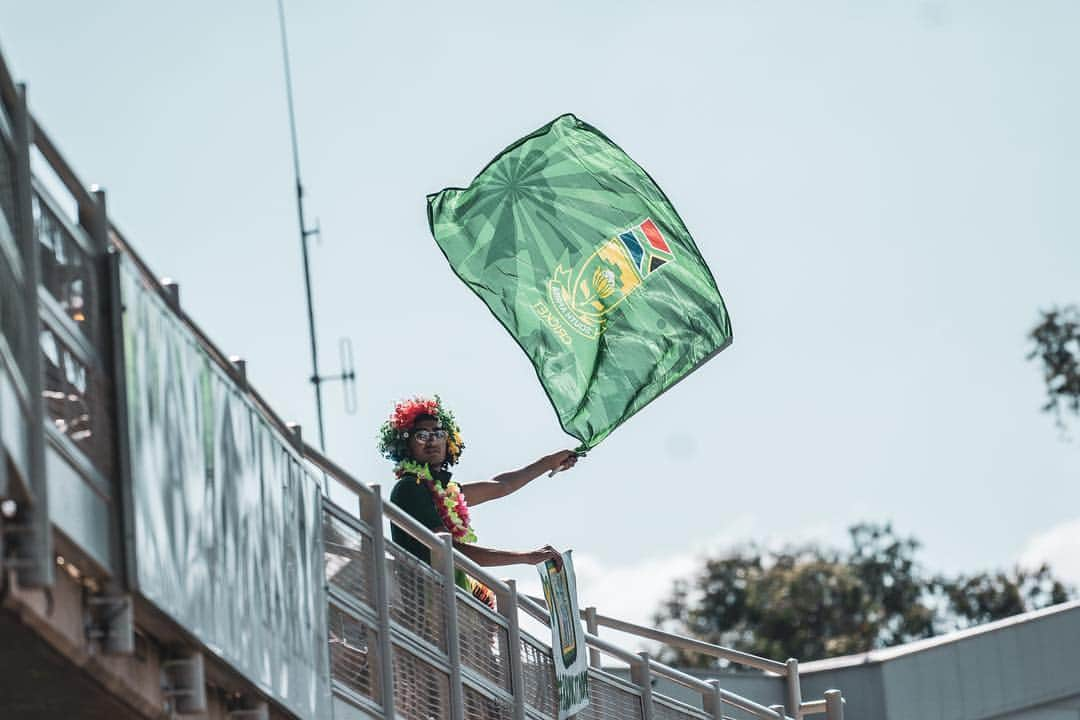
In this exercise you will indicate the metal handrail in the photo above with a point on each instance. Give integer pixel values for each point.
(679, 677)
(756, 709)
(532, 606)
(538, 612)
(328, 466)
(700, 646)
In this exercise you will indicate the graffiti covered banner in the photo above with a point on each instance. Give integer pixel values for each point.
(569, 653)
(227, 520)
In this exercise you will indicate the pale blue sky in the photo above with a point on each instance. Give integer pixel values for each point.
(886, 193)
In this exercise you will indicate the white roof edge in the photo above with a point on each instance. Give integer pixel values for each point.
(883, 654)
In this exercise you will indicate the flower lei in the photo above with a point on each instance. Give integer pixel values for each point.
(454, 512)
(449, 500)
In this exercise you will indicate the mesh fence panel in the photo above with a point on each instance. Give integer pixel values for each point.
(76, 395)
(7, 185)
(421, 692)
(348, 559)
(77, 400)
(416, 601)
(13, 312)
(608, 701)
(483, 644)
(664, 709)
(539, 675)
(354, 654)
(481, 707)
(66, 271)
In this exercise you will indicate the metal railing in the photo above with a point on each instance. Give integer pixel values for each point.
(404, 638)
(788, 670)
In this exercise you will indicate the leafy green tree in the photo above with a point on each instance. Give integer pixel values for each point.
(1056, 344)
(984, 597)
(812, 602)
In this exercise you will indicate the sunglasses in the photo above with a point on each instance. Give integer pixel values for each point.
(428, 435)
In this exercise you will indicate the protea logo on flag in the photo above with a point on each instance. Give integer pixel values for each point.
(583, 259)
(607, 277)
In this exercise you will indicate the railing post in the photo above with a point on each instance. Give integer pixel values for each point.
(793, 689)
(453, 640)
(95, 221)
(593, 628)
(240, 364)
(713, 702)
(372, 514)
(35, 566)
(641, 674)
(172, 292)
(508, 608)
(834, 705)
(107, 335)
(113, 324)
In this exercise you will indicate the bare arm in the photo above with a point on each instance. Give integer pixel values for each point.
(506, 483)
(489, 557)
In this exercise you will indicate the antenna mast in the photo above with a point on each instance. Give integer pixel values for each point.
(347, 373)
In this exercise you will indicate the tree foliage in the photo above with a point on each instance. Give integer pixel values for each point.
(1056, 344)
(812, 602)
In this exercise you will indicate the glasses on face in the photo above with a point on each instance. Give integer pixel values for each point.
(424, 436)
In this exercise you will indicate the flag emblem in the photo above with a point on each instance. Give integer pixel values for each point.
(607, 277)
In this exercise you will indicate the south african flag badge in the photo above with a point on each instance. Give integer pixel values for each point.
(647, 247)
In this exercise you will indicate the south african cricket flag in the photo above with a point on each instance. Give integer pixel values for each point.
(582, 258)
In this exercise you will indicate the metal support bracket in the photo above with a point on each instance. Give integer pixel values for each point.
(111, 622)
(183, 682)
(260, 711)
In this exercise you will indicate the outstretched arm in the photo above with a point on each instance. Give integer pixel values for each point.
(506, 483)
(489, 557)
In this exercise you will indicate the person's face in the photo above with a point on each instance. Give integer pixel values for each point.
(433, 450)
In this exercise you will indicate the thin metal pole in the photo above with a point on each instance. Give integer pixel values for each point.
(114, 322)
(316, 378)
(713, 702)
(793, 689)
(508, 608)
(834, 705)
(594, 629)
(38, 569)
(453, 646)
(372, 512)
(97, 227)
(641, 674)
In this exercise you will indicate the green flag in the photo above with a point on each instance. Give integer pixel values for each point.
(582, 258)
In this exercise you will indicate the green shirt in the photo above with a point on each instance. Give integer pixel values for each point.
(414, 498)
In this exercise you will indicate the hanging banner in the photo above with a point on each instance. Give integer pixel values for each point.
(227, 520)
(569, 653)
